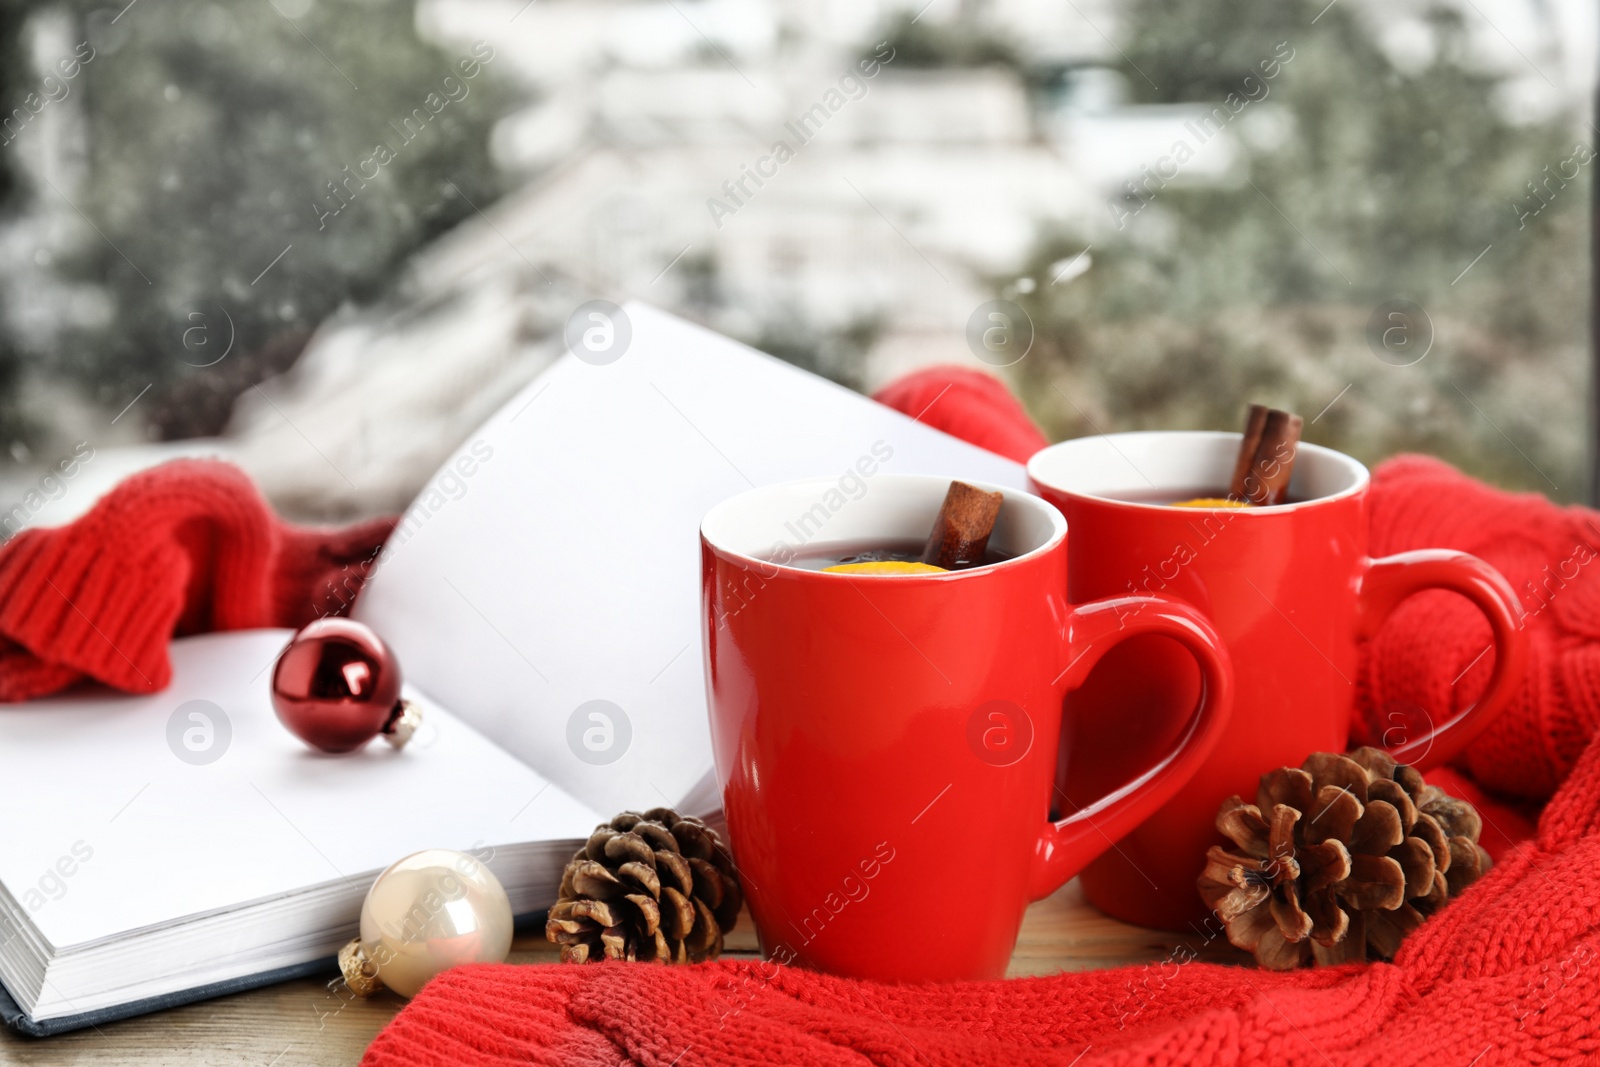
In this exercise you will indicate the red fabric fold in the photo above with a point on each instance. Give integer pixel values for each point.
(971, 405)
(185, 547)
(1429, 660)
(1506, 974)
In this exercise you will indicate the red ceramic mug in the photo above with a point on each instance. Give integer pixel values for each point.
(886, 744)
(1291, 589)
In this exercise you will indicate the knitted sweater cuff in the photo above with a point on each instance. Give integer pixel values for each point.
(189, 546)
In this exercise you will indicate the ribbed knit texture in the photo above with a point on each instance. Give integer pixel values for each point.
(1506, 974)
(1551, 556)
(186, 547)
(968, 404)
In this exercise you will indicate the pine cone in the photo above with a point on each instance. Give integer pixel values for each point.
(656, 886)
(1339, 859)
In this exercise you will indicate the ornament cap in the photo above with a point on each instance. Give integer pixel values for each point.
(360, 973)
(403, 723)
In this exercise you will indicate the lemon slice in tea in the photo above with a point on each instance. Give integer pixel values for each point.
(884, 566)
(1211, 502)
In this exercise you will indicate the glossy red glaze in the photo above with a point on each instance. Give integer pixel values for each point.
(886, 744)
(1291, 589)
(336, 685)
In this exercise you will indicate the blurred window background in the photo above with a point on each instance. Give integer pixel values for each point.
(326, 238)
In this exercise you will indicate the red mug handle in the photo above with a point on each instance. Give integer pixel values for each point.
(1092, 630)
(1386, 582)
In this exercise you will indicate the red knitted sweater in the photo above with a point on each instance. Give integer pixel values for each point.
(1412, 669)
(1509, 973)
(182, 548)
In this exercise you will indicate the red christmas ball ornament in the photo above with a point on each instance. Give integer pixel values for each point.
(337, 686)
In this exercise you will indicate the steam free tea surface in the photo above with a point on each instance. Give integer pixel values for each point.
(1177, 497)
(833, 554)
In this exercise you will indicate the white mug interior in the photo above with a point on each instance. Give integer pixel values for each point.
(774, 523)
(1148, 463)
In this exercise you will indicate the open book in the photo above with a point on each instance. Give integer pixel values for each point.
(542, 597)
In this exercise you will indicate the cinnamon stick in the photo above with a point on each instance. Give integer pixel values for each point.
(1254, 423)
(1266, 462)
(961, 531)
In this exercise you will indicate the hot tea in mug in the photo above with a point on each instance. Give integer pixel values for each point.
(873, 729)
(1292, 591)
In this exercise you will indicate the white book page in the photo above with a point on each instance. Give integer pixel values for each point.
(555, 561)
(109, 830)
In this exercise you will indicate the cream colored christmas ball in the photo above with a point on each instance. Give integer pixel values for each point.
(427, 913)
